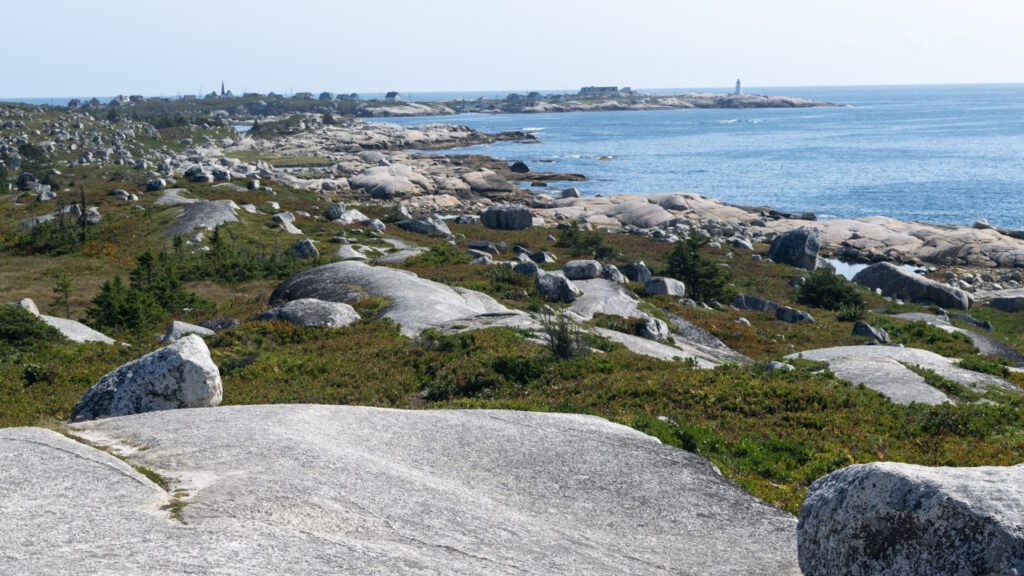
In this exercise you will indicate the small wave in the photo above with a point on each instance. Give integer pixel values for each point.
(531, 129)
(726, 122)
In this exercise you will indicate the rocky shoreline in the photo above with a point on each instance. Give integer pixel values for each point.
(384, 163)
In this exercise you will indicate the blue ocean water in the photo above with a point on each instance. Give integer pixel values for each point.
(944, 154)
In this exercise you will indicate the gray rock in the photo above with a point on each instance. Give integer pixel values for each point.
(605, 297)
(1010, 304)
(287, 221)
(885, 370)
(313, 312)
(664, 287)
(556, 288)
(659, 350)
(348, 252)
(528, 268)
(204, 215)
(413, 302)
(90, 217)
(178, 330)
(865, 330)
(156, 184)
(181, 375)
(221, 324)
(507, 218)
(484, 246)
(571, 193)
(543, 257)
(896, 282)
(754, 304)
(431, 225)
(792, 315)
(611, 273)
(780, 367)
(423, 492)
(334, 211)
(743, 243)
(654, 329)
(305, 248)
(582, 269)
(351, 216)
(486, 181)
(637, 272)
(797, 248)
(900, 519)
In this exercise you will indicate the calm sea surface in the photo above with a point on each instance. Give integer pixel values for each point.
(939, 154)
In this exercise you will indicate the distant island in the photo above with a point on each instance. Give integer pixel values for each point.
(224, 105)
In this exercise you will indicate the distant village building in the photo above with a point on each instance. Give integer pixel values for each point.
(393, 97)
(604, 92)
(739, 88)
(326, 96)
(189, 97)
(348, 97)
(303, 96)
(75, 103)
(136, 98)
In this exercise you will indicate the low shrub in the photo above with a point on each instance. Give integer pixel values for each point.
(824, 289)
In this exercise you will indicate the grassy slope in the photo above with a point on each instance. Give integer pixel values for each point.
(772, 432)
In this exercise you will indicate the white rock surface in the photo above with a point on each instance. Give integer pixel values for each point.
(181, 375)
(346, 490)
(890, 519)
(178, 330)
(415, 303)
(884, 369)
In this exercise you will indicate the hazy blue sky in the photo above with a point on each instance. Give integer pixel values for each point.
(71, 47)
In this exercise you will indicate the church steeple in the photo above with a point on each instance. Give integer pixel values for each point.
(222, 92)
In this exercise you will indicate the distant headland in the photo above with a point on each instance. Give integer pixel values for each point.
(226, 104)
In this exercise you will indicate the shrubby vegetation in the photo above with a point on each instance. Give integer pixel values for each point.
(705, 279)
(825, 289)
(585, 243)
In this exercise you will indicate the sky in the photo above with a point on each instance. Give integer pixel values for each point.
(75, 48)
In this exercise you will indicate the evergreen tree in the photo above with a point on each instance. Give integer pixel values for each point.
(62, 287)
(704, 279)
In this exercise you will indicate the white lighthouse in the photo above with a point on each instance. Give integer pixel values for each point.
(739, 88)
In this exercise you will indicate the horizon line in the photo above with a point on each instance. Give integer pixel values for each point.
(569, 91)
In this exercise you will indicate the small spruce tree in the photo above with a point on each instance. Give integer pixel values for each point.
(704, 278)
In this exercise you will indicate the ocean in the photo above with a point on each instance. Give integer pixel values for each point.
(941, 154)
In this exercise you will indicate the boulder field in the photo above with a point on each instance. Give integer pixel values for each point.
(349, 490)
